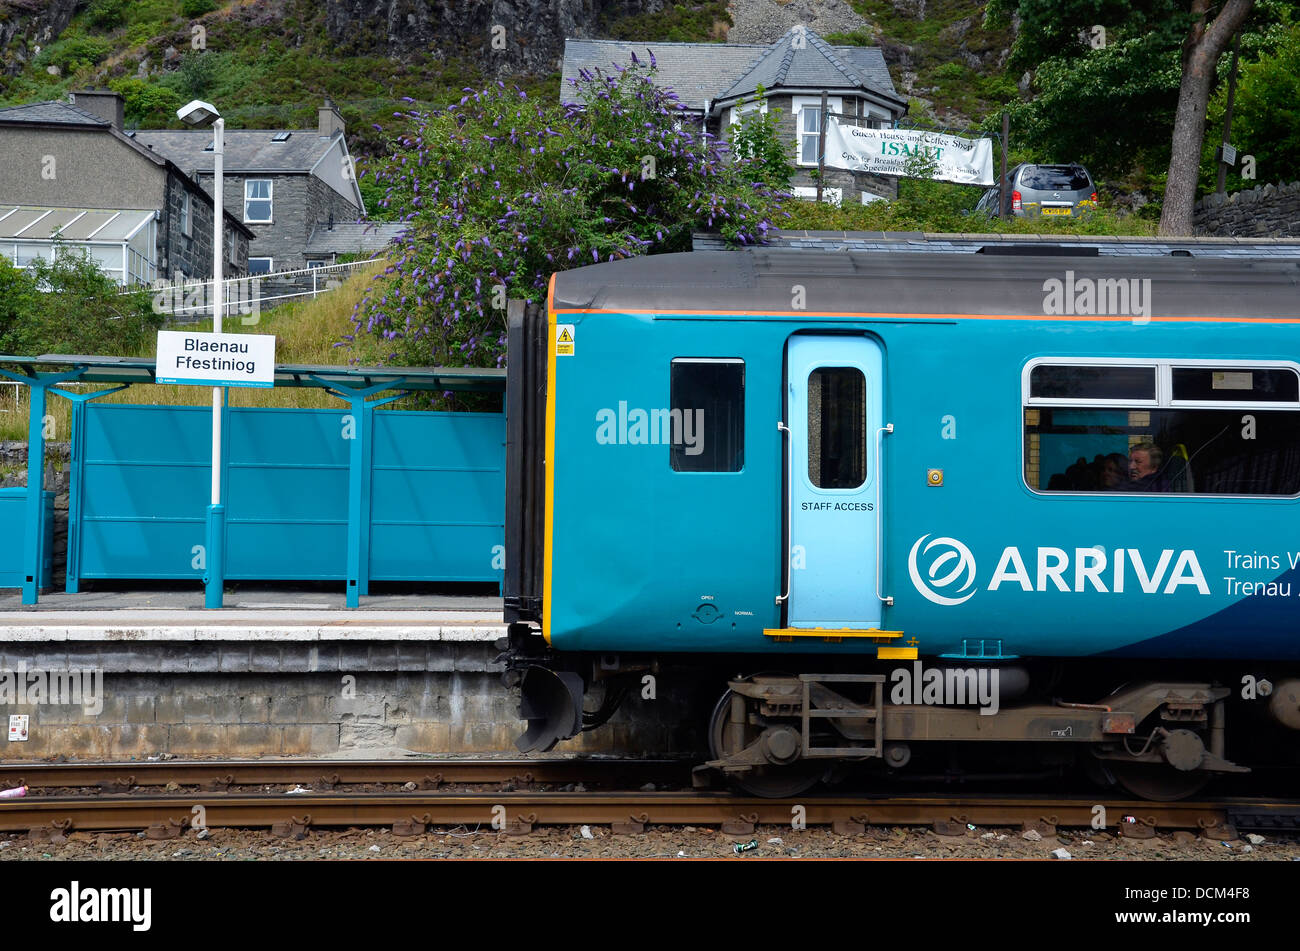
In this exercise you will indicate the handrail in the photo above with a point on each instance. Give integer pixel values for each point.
(880, 479)
(789, 506)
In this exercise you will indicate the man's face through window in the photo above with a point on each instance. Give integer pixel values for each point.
(1139, 464)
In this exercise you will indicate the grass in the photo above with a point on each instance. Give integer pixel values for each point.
(306, 333)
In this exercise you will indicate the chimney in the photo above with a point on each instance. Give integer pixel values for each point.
(100, 102)
(330, 120)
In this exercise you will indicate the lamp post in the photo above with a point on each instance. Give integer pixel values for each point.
(198, 113)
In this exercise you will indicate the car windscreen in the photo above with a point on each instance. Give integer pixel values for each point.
(1056, 178)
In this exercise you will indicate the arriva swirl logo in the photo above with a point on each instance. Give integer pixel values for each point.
(949, 549)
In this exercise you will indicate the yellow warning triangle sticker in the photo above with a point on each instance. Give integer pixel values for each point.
(565, 336)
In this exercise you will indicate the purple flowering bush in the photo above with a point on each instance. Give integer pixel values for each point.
(500, 191)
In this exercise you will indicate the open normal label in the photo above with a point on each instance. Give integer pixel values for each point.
(216, 359)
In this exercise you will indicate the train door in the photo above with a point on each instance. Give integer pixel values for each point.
(833, 412)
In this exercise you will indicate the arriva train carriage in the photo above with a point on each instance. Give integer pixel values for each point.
(906, 504)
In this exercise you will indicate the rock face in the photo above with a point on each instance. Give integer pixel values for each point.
(507, 36)
(766, 21)
(26, 25)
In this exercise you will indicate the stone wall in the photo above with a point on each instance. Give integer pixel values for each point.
(298, 204)
(319, 699)
(1269, 211)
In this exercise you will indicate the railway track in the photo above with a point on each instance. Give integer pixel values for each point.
(425, 802)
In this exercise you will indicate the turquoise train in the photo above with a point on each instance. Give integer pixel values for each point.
(1043, 500)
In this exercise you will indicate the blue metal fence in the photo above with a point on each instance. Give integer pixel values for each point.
(431, 493)
(349, 494)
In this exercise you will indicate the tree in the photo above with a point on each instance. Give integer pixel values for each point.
(1201, 50)
(500, 191)
(757, 136)
(68, 305)
(1123, 82)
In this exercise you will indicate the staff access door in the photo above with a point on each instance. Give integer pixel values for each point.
(833, 414)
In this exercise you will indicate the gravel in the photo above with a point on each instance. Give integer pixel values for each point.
(656, 842)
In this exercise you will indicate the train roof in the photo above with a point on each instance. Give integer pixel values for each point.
(847, 281)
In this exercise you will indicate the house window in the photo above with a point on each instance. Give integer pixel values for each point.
(261, 265)
(743, 109)
(257, 201)
(187, 214)
(808, 119)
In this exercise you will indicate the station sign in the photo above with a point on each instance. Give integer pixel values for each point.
(209, 359)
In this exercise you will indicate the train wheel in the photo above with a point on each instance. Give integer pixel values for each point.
(767, 782)
(1158, 782)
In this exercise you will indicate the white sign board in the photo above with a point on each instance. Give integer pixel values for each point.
(210, 359)
(889, 152)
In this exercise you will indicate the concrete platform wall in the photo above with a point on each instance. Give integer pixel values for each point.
(319, 699)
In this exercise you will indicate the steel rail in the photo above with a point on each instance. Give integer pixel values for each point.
(127, 812)
(330, 772)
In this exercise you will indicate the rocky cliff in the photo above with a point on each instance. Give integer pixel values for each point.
(506, 36)
(27, 25)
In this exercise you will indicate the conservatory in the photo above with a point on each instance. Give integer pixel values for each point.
(123, 243)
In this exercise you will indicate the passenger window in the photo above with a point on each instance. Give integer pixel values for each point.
(1049, 381)
(837, 428)
(1224, 449)
(706, 425)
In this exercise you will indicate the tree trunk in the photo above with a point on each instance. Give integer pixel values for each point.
(1201, 51)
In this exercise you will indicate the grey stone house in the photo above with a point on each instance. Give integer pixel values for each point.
(69, 172)
(718, 82)
(283, 184)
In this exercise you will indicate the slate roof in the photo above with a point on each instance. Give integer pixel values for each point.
(717, 72)
(249, 150)
(348, 237)
(51, 113)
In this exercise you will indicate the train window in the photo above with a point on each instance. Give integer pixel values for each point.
(837, 428)
(1194, 427)
(1191, 451)
(1110, 382)
(1236, 384)
(707, 417)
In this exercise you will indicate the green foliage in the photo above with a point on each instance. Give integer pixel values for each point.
(1078, 114)
(196, 8)
(70, 306)
(676, 23)
(74, 53)
(147, 104)
(944, 207)
(1265, 117)
(107, 14)
(758, 138)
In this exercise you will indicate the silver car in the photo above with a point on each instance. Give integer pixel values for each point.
(1060, 191)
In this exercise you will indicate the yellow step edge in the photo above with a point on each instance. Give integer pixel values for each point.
(896, 653)
(787, 633)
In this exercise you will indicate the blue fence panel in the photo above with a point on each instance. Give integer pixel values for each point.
(13, 515)
(438, 496)
(145, 486)
(287, 494)
(435, 508)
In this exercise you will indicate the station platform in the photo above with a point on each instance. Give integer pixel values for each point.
(285, 615)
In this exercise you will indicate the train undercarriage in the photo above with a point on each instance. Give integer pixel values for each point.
(781, 733)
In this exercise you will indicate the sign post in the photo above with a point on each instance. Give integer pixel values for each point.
(220, 360)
